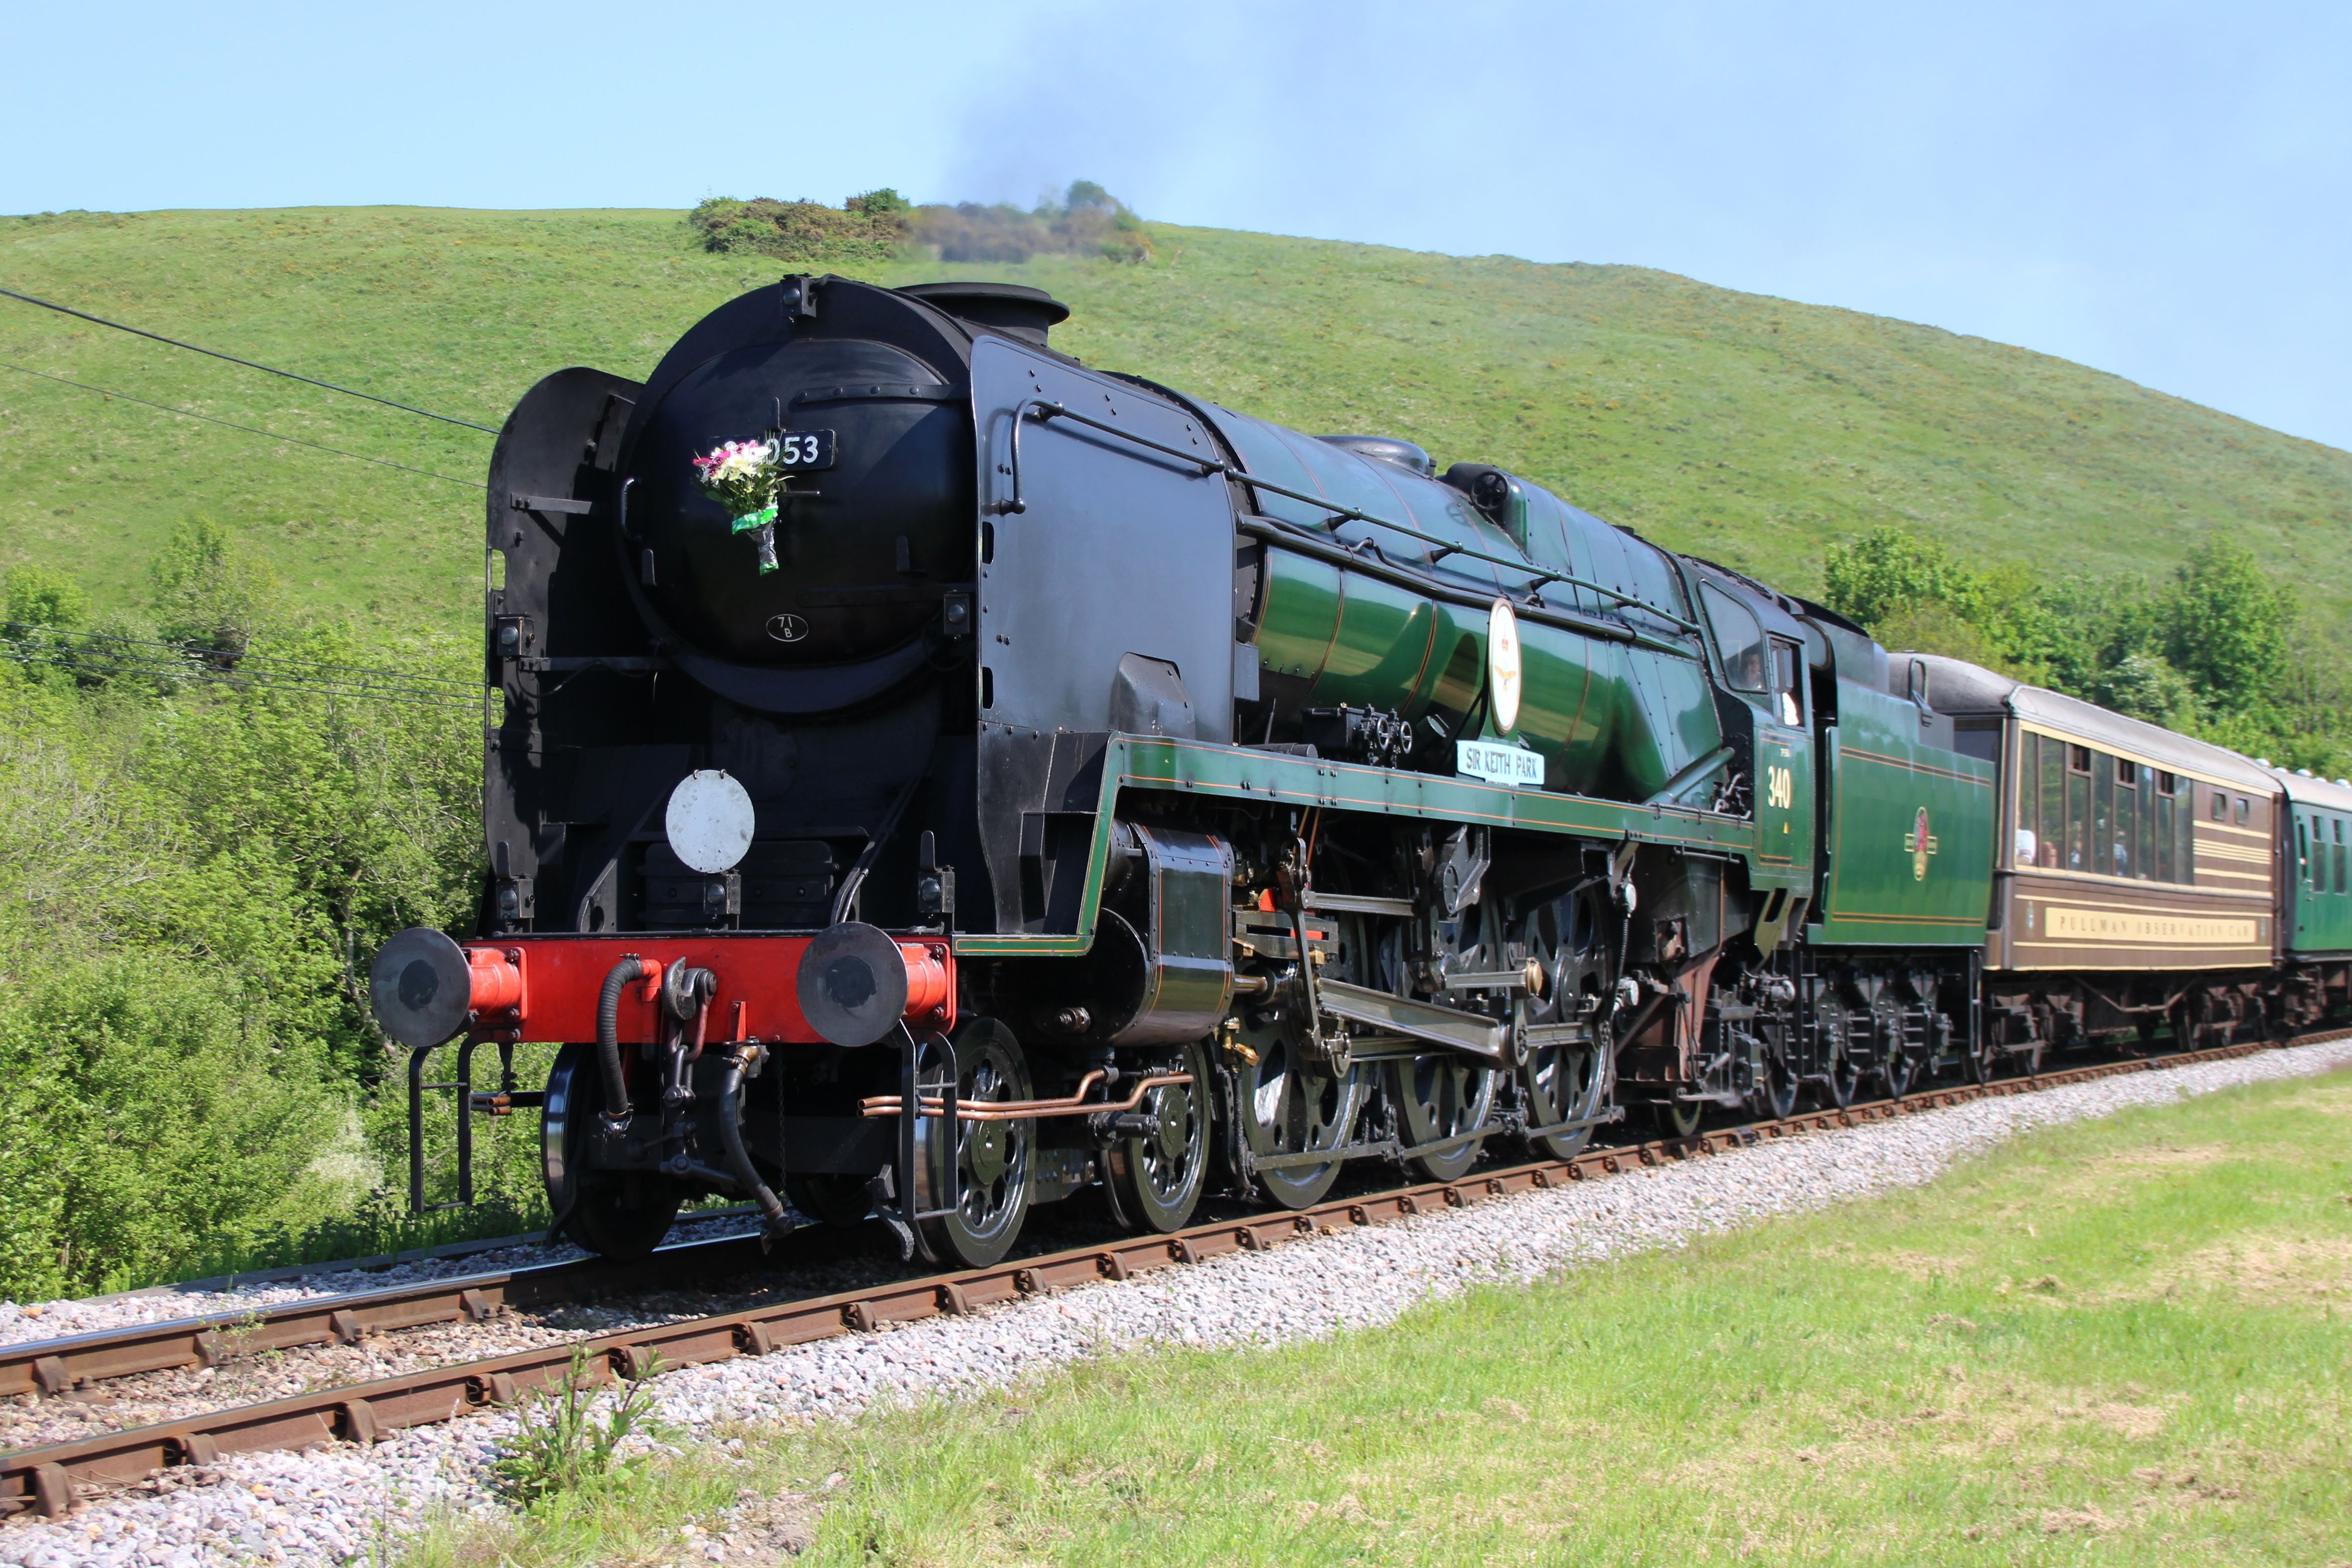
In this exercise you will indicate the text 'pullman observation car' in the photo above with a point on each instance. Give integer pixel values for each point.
(932, 777)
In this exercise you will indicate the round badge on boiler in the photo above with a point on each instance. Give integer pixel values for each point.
(787, 628)
(709, 821)
(1503, 666)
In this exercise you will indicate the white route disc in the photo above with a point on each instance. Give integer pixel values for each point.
(709, 821)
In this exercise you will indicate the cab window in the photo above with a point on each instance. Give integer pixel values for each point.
(1738, 638)
(1786, 689)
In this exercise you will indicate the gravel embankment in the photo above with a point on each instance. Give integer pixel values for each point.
(338, 1502)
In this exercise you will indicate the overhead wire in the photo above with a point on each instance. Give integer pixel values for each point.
(247, 429)
(249, 364)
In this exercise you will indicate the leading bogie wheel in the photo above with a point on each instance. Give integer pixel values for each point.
(1154, 1178)
(831, 1198)
(615, 1214)
(994, 1159)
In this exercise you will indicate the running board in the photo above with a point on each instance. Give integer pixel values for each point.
(1473, 1034)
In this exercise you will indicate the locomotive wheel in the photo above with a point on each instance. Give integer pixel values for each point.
(993, 1158)
(623, 1215)
(1290, 1105)
(1777, 1094)
(1897, 1071)
(831, 1198)
(1563, 1083)
(1568, 1082)
(1677, 1118)
(1978, 1058)
(1154, 1181)
(1441, 1096)
(1842, 1078)
(615, 1214)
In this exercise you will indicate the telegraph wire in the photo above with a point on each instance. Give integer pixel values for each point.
(249, 430)
(249, 364)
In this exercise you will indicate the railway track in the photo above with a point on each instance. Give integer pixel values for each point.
(47, 1479)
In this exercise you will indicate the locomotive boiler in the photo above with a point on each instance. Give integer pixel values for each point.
(1049, 782)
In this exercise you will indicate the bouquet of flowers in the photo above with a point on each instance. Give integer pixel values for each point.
(745, 477)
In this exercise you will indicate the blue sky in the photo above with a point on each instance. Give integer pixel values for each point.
(2160, 190)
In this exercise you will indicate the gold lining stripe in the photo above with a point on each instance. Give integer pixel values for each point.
(1910, 766)
(2099, 879)
(2205, 825)
(2167, 948)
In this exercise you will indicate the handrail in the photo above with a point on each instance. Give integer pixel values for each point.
(1208, 466)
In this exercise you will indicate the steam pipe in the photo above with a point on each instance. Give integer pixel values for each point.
(618, 980)
(730, 1137)
(881, 1105)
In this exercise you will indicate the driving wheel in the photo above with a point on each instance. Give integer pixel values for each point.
(1567, 1083)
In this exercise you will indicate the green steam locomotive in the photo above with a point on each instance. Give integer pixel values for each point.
(936, 777)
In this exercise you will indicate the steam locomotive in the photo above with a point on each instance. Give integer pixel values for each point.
(1067, 784)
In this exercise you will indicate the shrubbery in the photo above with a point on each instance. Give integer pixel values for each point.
(2215, 649)
(199, 851)
(871, 227)
(880, 224)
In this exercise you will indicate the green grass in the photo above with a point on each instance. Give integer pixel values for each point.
(1745, 428)
(2115, 1343)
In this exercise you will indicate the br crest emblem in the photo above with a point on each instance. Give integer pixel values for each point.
(1920, 844)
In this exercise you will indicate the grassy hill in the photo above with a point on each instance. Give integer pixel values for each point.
(1743, 428)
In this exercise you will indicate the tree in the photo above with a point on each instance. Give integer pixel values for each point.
(2226, 627)
(209, 594)
(36, 596)
(1888, 572)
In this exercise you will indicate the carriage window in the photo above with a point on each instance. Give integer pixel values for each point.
(2302, 854)
(2221, 805)
(2126, 856)
(1736, 637)
(2245, 808)
(2053, 801)
(2156, 828)
(2184, 829)
(2028, 797)
(2078, 807)
(2340, 855)
(2103, 821)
